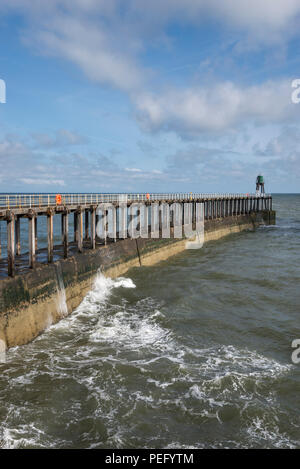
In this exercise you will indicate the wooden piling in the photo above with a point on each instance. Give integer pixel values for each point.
(145, 230)
(114, 223)
(65, 226)
(35, 234)
(80, 230)
(10, 244)
(31, 236)
(75, 227)
(18, 236)
(50, 235)
(154, 216)
(93, 227)
(123, 228)
(104, 214)
(86, 224)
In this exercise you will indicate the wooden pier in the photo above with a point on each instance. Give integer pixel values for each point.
(84, 207)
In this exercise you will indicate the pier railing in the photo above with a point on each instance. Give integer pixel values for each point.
(14, 201)
(90, 210)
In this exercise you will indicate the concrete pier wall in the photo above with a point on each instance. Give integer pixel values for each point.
(31, 302)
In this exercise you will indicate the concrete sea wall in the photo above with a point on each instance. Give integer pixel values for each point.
(31, 302)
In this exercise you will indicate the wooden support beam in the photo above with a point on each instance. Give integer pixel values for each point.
(50, 235)
(194, 214)
(35, 233)
(104, 214)
(80, 230)
(123, 224)
(11, 244)
(97, 221)
(31, 240)
(114, 223)
(86, 224)
(145, 233)
(75, 227)
(18, 236)
(154, 219)
(65, 234)
(93, 228)
(183, 215)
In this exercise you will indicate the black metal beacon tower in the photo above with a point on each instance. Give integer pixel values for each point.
(260, 185)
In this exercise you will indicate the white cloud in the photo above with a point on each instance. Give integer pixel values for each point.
(104, 38)
(91, 47)
(61, 138)
(37, 166)
(43, 182)
(135, 170)
(216, 108)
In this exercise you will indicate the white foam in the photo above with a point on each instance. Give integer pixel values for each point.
(130, 330)
(102, 288)
(61, 300)
(95, 299)
(15, 439)
(213, 376)
(268, 433)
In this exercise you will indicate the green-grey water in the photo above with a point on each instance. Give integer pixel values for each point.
(194, 352)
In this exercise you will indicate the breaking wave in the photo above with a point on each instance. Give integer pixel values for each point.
(116, 369)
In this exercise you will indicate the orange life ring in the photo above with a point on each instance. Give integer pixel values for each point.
(148, 196)
(58, 199)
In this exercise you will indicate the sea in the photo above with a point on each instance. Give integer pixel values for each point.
(193, 352)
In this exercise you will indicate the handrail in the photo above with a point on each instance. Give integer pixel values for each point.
(19, 201)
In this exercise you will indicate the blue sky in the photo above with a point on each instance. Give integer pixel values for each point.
(169, 95)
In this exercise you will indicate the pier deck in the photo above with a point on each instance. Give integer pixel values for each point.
(86, 208)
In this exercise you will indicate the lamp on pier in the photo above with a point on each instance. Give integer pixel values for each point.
(260, 184)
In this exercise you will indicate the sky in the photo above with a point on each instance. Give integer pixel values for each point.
(140, 96)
